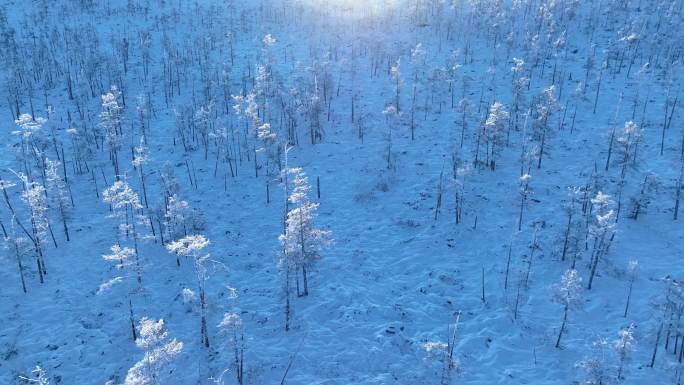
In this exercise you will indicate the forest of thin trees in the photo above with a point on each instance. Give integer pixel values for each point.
(556, 122)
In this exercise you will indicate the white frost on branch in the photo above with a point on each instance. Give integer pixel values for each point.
(159, 352)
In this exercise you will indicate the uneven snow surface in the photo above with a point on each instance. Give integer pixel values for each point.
(403, 282)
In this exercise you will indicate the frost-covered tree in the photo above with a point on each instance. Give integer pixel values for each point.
(640, 202)
(452, 71)
(524, 191)
(418, 54)
(124, 258)
(175, 218)
(624, 346)
(18, 247)
(231, 324)
(395, 71)
(269, 147)
(571, 235)
(545, 107)
(519, 82)
(627, 141)
(302, 241)
(262, 86)
(314, 107)
(601, 231)
(159, 349)
(168, 181)
(392, 116)
(110, 123)
(32, 140)
(595, 368)
(80, 149)
(496, 120)
(144, 109)
(34, 197)
(193, 246)
(465, 110)
(37, 247)
(204, 124)
(247, 110)
(568, 293)
(58, 194)
(141, 156)
(633, 271)
(459, 174)
(246, 107)
(268, 40)
(444, 353)
(125, 205)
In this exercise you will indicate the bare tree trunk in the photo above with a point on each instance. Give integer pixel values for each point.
(483, 285)
(288, 310)
(508, 265)
(130, 317)
(562, 328)
(517, 301)
(567, 234)
(655, 346)
(305, 280)
(21, 267)
(678, 190)
(522, 205)
(203, 325)
(629, 296)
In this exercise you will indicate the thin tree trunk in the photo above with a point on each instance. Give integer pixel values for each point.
(21, 267)
(305, 280)
(562, 328)
(629, 296)
(508, 265)
(655, 346)
(130, 317)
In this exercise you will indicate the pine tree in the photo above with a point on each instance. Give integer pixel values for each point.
(159, 352)
(203, 122)
(302, 241)
(568, 294)
(125, 205)
(596, 372)
(545, 108)
(602, 230)
(493, 127)
(35, 198)
(141, 156)
(58, 193)
(624, 346)
(395, 71)
(193, 246)
(124, 257)
(232, 324)
(176, 216)
(110, 122)
(33, 141)
(392, 116)
(524, 191)
(633, 270)
(519, 82)
(18, 247)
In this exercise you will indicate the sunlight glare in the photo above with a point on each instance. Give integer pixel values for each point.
(354, 9)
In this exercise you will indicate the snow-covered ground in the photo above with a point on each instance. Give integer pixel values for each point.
(401, 274)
